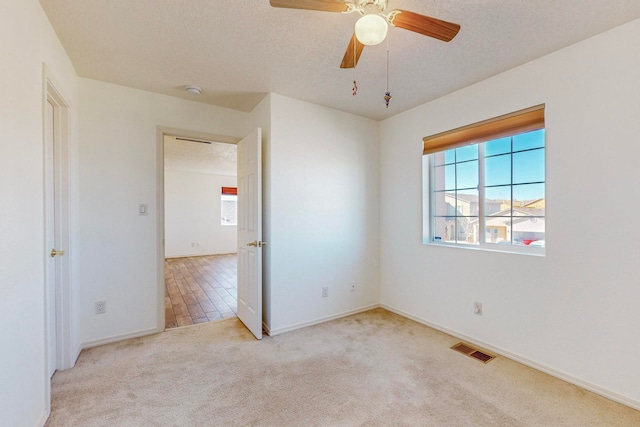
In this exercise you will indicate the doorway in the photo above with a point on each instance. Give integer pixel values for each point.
(199, 256)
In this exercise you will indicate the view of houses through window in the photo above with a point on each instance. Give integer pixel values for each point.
(492, 193)
(229, 206)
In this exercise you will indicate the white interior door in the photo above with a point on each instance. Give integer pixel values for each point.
(250, 232)
(50, 243)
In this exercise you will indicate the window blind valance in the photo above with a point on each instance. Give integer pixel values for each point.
(229, 190)
(509, 124)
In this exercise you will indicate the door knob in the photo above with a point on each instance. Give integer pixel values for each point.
(254, 243)
(54, 253)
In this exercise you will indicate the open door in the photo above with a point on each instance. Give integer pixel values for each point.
(51, 243)
(60, 350)
(250, 232)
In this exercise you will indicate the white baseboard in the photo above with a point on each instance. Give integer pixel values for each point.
(265, 329)
(77, 354)
(116, 338)
(520, 359)
(44, 418)
(290, 328)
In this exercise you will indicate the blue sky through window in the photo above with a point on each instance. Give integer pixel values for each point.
(517, 161)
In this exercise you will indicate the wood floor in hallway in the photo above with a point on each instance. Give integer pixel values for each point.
(200, 289)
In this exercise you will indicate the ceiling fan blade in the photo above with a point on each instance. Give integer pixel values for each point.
(348, 60)
(432, 27)
(323, 5)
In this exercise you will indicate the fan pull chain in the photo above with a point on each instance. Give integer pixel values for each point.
(387, 95)
(355, 85)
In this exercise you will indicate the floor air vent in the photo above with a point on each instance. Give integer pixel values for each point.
(471, 351)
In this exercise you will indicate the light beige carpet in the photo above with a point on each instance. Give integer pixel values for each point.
(370, 369)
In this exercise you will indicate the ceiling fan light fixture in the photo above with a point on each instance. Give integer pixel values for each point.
(371, 29)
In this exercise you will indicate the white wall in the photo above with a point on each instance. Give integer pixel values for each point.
(575, 311)
(118, 170)
(26, 42)
(192, 215)
(323, 203)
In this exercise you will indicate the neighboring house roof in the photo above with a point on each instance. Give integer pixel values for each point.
(471, 198)
(520, 215)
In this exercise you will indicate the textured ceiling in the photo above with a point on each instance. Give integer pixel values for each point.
(191, 156)
(237, 51)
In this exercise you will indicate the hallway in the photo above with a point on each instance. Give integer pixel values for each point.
(200, 289)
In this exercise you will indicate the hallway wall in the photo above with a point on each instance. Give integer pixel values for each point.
(118, 171)
(27, 41)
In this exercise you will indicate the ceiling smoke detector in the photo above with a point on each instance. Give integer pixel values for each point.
(193, 90)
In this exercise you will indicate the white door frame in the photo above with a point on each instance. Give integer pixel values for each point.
(161, 131)
(66, 355)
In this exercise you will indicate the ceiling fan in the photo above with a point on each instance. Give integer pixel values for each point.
(371, 28)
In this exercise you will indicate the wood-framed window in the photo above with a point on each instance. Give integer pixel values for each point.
(229, 206)
(486, 184)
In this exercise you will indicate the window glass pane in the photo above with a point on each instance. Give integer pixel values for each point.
(498, 170)
(229, 209)
(464, 231)
(438, 228)
(527, 230)
(438, 183)
(498, 229)
(473, 233)
(529, 140)
(497, 146)
(444, 178)
(467, 174)
(444, 229)
(468, 152)
(535, 208)
(438, 158)
(528, 193)
(450, 177)
(450, 156)
(528, 166)
(467, 203)
(444, 204)
(496, 233)
(497, 199)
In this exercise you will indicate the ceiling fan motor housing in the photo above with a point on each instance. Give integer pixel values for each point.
(370, 6)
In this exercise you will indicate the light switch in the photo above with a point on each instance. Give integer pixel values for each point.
(143, 209)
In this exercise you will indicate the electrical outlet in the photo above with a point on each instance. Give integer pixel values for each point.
(477, 308)
(325, 291)
(353, 286)
(101, 307)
